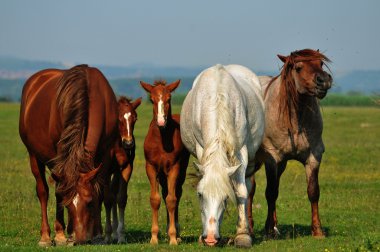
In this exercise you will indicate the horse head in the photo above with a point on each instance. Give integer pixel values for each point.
(305, 68)
(214, 189)
(127, 120)
(160, 95)
(83, 206)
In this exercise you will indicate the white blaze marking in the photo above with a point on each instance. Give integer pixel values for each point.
(161, 113)
(75, 201)
(126, 116)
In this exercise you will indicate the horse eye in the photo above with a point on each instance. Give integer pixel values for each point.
(298, 69)
(199, 195)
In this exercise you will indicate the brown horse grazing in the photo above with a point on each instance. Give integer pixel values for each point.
(293, 129)
(122, 167)
(68, 122)
(166, 158)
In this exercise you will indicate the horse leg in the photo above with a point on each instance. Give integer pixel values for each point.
(70, 229)
(250, 203)
(38, 170)
(273, 173)
(180, 181)
(59, 224)
(115, 190)
(172, 203)
(243, 238)
(109, 200)
(312, 169)
(155, 200)
(122, 198)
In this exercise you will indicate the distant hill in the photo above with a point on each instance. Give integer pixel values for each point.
(366, 82)
(125, 80)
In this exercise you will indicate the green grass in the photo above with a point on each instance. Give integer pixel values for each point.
(351, 100)
(349, 203)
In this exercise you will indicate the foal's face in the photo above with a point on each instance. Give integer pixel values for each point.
(82, 208)
(127, 120)
(310, 78)
(160, 95)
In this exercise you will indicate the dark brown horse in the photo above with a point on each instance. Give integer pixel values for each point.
(166, 158)
(68, 122)
(122, 167)
(293, 129)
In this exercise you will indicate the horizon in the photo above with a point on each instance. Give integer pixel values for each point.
(190, 34)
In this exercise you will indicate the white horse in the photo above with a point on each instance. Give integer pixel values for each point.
(222, 125)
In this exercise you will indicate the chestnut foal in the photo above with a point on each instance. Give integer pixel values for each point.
(166, 158)
(122, 167)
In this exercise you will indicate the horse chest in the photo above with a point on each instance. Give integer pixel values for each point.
(163, 152)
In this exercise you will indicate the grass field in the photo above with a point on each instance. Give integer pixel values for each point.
(349, 202)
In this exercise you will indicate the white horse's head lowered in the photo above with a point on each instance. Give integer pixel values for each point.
(214, 189)
(222, 125)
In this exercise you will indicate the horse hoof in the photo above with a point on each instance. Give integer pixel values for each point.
(200, 241)
(154, 241)
(243, 241)
(173, 242)
(45, 243)
(60, 243)
(122, 240)
(98, 240)
(272, 234)
(318, 233)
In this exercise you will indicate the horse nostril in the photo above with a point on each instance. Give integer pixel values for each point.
(127, 143)
(320, 80)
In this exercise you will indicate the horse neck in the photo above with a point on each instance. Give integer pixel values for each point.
(307, 105)
(165, 135)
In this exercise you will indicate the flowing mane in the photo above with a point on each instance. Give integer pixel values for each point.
(220, 153)
(72, 158)
(288, 96)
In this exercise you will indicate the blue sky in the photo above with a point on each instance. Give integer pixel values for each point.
(191, 33)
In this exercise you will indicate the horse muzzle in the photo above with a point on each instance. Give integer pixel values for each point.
(209, 240)
(128, 144)
(323, 84)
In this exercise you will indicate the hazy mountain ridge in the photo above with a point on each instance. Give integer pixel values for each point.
(125, 80)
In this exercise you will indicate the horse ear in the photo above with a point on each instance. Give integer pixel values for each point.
(136, 103)
(233, 169)
(282, 58)
(87, 177)
(174, 85)
(146, 86)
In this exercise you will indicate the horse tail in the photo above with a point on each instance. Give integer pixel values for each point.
(73, 106)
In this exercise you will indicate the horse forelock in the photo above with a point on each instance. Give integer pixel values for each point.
(124, 99)
(72, 158)
(215, 180)
(160, 82)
